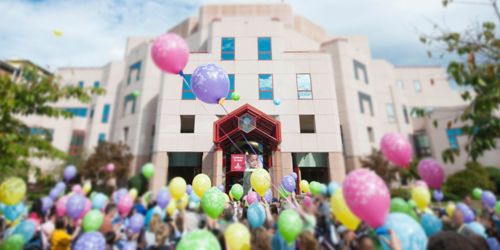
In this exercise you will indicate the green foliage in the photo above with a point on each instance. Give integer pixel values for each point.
(494, 176)
(404, 193)
(463, 182)
(44, 182)
(33, 94)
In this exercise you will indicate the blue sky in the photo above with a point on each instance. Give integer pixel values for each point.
(94, 32)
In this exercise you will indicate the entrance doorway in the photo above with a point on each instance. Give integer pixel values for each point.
(184, 164)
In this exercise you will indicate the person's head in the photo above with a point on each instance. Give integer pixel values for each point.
(110, 210)
(274, 211)
(36, 208)
(447, 240)
(220, 237)
(162, 232)
(179, 222)
(458, 217)
(228, 213)
(110, 238)
(47, 229)
(366, 243)
(60, 223)
(479, 242)
(468, 200)
(154, 222)
(306, 240)
(260, 239)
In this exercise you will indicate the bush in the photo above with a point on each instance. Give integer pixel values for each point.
(463, 182)
(404, 193)
(494, 176)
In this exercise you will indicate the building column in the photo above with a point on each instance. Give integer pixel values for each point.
(276, 171)
(160, 161)
(336, 166)
(217, 168)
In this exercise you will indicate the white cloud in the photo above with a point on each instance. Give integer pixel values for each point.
(95, 31)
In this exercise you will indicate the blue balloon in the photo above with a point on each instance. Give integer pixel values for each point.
(332, 186)
(118, 194)
(61, 186)
(11, 213)
(91, 240)
(25, 228)
(256, 215)
(151, 212)
(99, 201)
(477, 228)
(409, 232)
(2, 207)
(431, 224)
(277, 101)
(193, 197)
(323, 189)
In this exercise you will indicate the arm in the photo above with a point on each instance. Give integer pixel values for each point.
(76, 233)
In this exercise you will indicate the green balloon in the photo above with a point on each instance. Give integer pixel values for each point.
(92, 221)
(497, 207)
(399, 205)
(289, 225)
(315, 187)
(200, 240)
(283, 193)
(476, 193)
(147, 196)
(148, 170)
(235, 96)
(213, 202)
(412, 203)
(14, 242)
(136, 93)
(237, 191)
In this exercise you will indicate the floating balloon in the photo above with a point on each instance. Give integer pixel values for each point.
(294, 175)
(397, 149)
(315, 187)
(110, 167)
(221, 188)
(332, 186)
(367, 196)
(54, 194)
(47, 204)
(163, 198)
(260, 181)
(200, 240)
(288, 183)
(136, 223)
(236, 191)
(77, 189)
(91, 240)
(148, 170)
(189, 189)
(75, 205)
(170, 53)
(277, 101)
(256, 215)
(183, 202)
(421, 196)
(69, 172)
(450, 209)
(476, 193)
(289, 225)
(467, 213)
(26, 229)
(13, 242)
(237, 237)
(431, 172)
(61, 206)
(136, 93)
(57, 33)
(201, 183)
(93, 221)
(268, 196)
(409, 232)
(99, 201)
(177, 187)
(133, 193)
(210, 83)
(61, 186)
(87, 187)
(12, 191)
(431, 224)
(213, 202)
(283, 193)
(125, 205)
(399, 205)
(438, 195)
(304, 186)
(488, 199)
(252, 197)
(420, 183)
(235, 96)
(497, 207)
(477, 228)
(342, 212)
(171, 208)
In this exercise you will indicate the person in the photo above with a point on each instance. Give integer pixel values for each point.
(60, 239)
(149, 236)
(448, 240)
(110, 240)
(162, 233)
(306, 241)
(110, 214)
(260, 239)
(253, 162)
(365, 243)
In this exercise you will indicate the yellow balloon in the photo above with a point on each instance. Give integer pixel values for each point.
(237, 237)
(304, 186)
(87, 187)
(57, 33)
(171, 207)
(226, 197)
(177, 187)
(260, 181)
(12, 191)
(201, 183)
(231, 196)
(133, 193)
(342, 211)
(183, 202)
(450, 209)
(421, 196)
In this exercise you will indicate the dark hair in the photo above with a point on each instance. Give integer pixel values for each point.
(60, 223)
(479, 242)
(37, 208)
(109, 208)
(220, 237)
(450, 241)
(110, 238)
(274, 209)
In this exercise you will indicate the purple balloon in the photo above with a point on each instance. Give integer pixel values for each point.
(118, 194)
(210, 83)
(54, 194)
(75, 206)
(136, 223)
(162, 198)
(467, 213)
(268, 196)
(61, 186)
(288, 183)
(130, 246)
(294, 175)
(438, 195)
(69, 172)
(189, 189)
(91, 240)
(47, 203)
(221, 188)
(488, 199)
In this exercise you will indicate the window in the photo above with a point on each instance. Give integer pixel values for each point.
(391, 116)
(307, 124)
(97, 84)
(400, 84)
(371, 136)
(92, 112)
(304, 87)
(125, 134)
(76, 144)
(365, 99)
(102, 137)
(227, 49)
(265, 86)
(264, 44)
(47, 134)
(187, 93)
(134, 72)
(79, 112)
(130, 98)
(81, 84)
(453, 134)
(187, 124)
(231, 86)
(357, 67)
(105, 113)
(422, 146)
(405, 114)
(418, 87)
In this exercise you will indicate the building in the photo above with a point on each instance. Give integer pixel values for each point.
(336, 100)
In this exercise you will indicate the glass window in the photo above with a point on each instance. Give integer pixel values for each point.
(105, 113)
(265, 87)
(79, 112)
(418, 87)
(76, 144)
(365, 99)
(422, 145)
(187, 93)
(227, 49)
(134, 72)
(97, 84)
(400, 84)
(304, 87)
(360, 66)
(187, 124)
(231, 86)
(47, 134)
(102, 137)
(405, 114)
(453, 134)
(125, 134)
(92, 112)
(391, 115)
(264, 44)
(130, 98)
(307, 124)
(81, 84)
(371, 136)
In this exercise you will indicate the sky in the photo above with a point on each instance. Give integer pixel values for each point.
(94, 32)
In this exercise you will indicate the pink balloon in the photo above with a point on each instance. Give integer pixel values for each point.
(125, 205)
(252, 197)
(431, 172)
(420, 183)
(367, 196)
(396, 149)
(170, 53)
(61, 206)
(77, 189)
(307, 201)
(110, 167)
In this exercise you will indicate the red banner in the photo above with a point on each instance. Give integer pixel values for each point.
(238, 162)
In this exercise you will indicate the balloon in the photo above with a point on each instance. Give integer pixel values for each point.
(125, 205)
(488, 199)
(177, 187)
(60, 186)
(332, 186)
(69, 172)
(151, 212)
(283, 193)
(99, 201)
(213, 202)
(47, 204)
(147, 196)
(289, 225)
(420, 183)
(288, 183)
(189, 189)
(170, 53)
(294, 175)
(256, 215)
(75, 205)
(252, 197)
(110, 167)
(210, 83)
(200, 240)
(477, 228)
(148, 170)
(396, 149)
(136, 93)
(399, 205)
(12, 191)
(235, 96)
(410, 233)
(11, 213)
(236, 191)
(450, 209)
(119, 194)
(91, 240)
(221, 187)
(201, 183)
(26, 229)
(92, 221)
(493, 243)
(421, 196)
(13, 242)
(367, 196)
(171, 207)
(268, 196)
(183, 202)
(497, 207)
(130, 246)
(304, 186)
(467, 213)
(431, 224)
(61, 206)
(57, 33)
(438, 195)
(315, 187)
(342, 212)
(237, 237)
(163, 197)
(260, 181)
(136, 223)
(431, 172)
(54, 193)
(87, 187)
(77, 189)
(476, 193)
(323, 189)
(133, 193)
(277, 101)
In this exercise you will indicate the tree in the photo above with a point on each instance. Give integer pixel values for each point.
(476, 69)
(33, 94)
(377, 162)
(463, 182)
